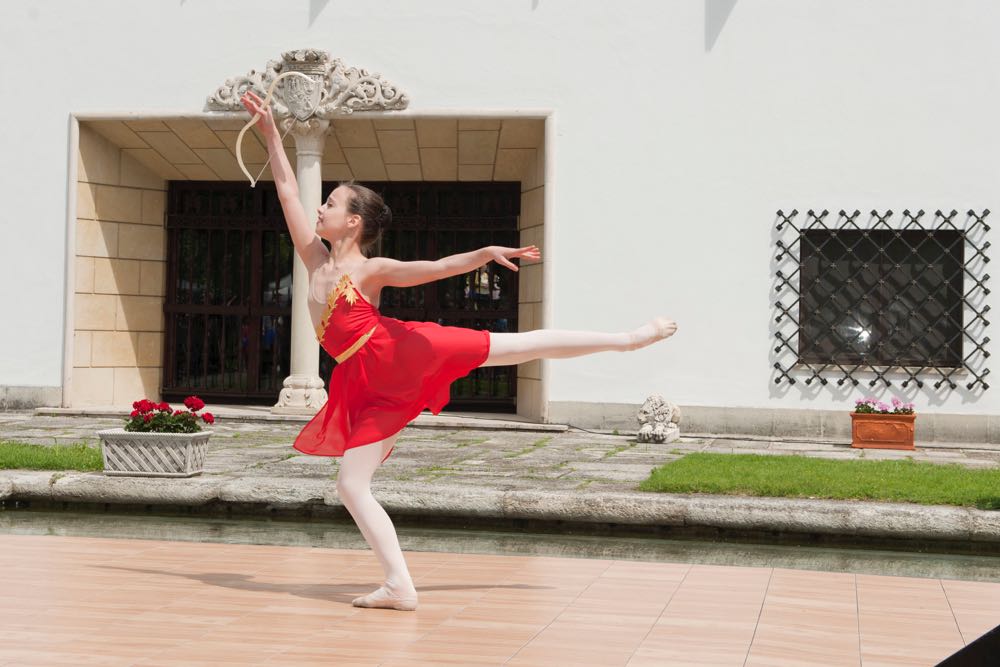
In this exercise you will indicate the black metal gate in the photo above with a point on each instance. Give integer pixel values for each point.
(229, 282)
(228, 304)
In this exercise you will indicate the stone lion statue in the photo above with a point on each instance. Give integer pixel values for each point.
(659, 420)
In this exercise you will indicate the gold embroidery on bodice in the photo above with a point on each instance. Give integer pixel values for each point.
(344, 287)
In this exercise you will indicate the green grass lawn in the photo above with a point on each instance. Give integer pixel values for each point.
(804, 477)
(44, 457)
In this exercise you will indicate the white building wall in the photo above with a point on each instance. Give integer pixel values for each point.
(681, 128)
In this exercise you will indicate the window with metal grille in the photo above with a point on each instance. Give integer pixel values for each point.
(881, 298)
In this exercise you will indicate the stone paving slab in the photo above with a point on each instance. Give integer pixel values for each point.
(434, 467)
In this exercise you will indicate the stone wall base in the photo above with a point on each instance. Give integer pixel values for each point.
(773, 422)
(26, 398)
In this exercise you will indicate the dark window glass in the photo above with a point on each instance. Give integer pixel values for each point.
(881, 297)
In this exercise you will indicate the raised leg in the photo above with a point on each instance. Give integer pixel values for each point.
(517, 348)
(354, 489)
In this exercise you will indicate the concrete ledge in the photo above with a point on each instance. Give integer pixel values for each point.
(837, 517)
(698, 421)
(457, 500)
(274, 492)
(831, 517)
(247, 413)
(99, 488)
(598, 507)
(774, 422)
(732, 513)
(256, 414)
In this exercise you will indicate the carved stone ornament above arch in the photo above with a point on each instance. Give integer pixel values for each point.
(337, 90)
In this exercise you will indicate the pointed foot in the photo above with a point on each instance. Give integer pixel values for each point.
(382, 598)
(656, 329)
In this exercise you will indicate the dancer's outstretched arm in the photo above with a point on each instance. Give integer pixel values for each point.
(389, 272)
(307, 242)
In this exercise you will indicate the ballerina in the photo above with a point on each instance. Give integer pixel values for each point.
(388, 370)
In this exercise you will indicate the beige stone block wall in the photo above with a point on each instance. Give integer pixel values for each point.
(520, 156)
(121, 241)
(120, 275)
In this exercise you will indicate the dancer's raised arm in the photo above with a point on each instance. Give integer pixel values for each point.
(307, 243)
(389, 272)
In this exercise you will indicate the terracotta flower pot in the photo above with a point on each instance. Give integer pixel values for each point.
(882, 431)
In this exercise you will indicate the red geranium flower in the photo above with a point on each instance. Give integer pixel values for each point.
(161, 417)
(194, 403)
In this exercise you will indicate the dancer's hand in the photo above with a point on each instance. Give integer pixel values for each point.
(501, 255)
(254, 104)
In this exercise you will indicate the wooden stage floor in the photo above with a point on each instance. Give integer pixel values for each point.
(109, 602)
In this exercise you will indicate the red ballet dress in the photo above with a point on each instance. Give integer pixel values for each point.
(388, 371)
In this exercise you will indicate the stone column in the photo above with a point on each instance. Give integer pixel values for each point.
(341, 90)
(303, 391)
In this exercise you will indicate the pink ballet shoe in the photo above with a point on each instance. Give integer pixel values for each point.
(664, 327)
(657, 329)
(382, 598)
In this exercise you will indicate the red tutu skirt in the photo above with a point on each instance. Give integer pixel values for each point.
(403, 368)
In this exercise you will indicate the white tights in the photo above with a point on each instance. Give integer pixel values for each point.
(516, 348)
(354, 490)
(359, 463)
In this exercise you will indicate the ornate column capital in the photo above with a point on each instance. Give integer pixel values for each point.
(310, 135)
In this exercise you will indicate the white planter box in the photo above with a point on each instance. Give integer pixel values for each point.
(140, 454)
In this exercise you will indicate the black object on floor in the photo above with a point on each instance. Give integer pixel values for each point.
(984, 652)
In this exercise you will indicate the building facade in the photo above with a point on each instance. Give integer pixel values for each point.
(804, 186)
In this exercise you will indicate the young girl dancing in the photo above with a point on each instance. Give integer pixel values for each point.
(389, 370)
